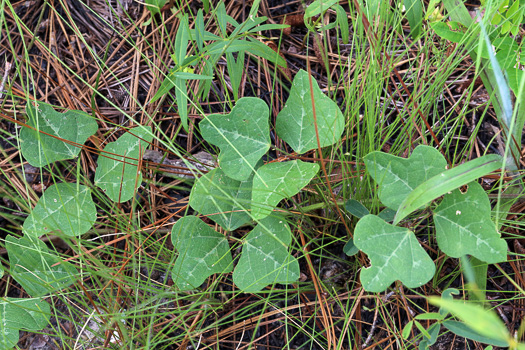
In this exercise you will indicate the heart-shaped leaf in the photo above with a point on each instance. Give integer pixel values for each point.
(222, 199)
(265, 258)
(395, 254)
(117, 173)
(463, 226)
(295, 124)
(26, 314)
(243, 136)
(275, 181)
(40, 149)
(397, 177)
(31, 265)
(202, 252)
(65, 208)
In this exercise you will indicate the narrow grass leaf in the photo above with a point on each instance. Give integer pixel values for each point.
(202, 252)
(464, 226)
(40, 149)
(64, 209)
(481, 321)
(295, 123)
(395, 254)
(276, 181)
(398, 177)
(242, 135)
(117, 172)
(222, 199)
(462, 330)
(446, 182)
(31, 265)
(265, 258)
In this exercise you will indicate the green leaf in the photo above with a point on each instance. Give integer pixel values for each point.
(317, 7)
(430, 316)
(434, 333)
(40, 149)
(258, 49)
(465, 331)
(176, 78)
(387, 214)
(481, 321)
(242, 135)
(265, 258)
(17, 314)
(235, 68)
(276, 181)
(191, 76)
(64, 208)
(31, 266)
(181, 40)
(295, 123)
(118, 176)
(222, 199)
(154, 6)
(451, 31)
(198, 33)
(202, 252)
(181, 94)
(447, 181)
(395, 254)
(356, 208)
(422, 329)
(414, 11)
(397, 177)
(221, 17)
(407, 329)
(342, 22)
(350, 249)
(463, 226)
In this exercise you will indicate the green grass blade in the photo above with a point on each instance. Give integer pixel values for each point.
(446, 182)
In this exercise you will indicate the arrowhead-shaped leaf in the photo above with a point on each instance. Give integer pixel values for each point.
(397, 177)
(265, 258)
(16, 314)
(243, 136)
(40, 149)
(222, 199)
(295, 123)
(275, 181)
(117, 172)
(463, 226)
(395, 254)
(64, 208)
(202, 252)
(31, 265)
